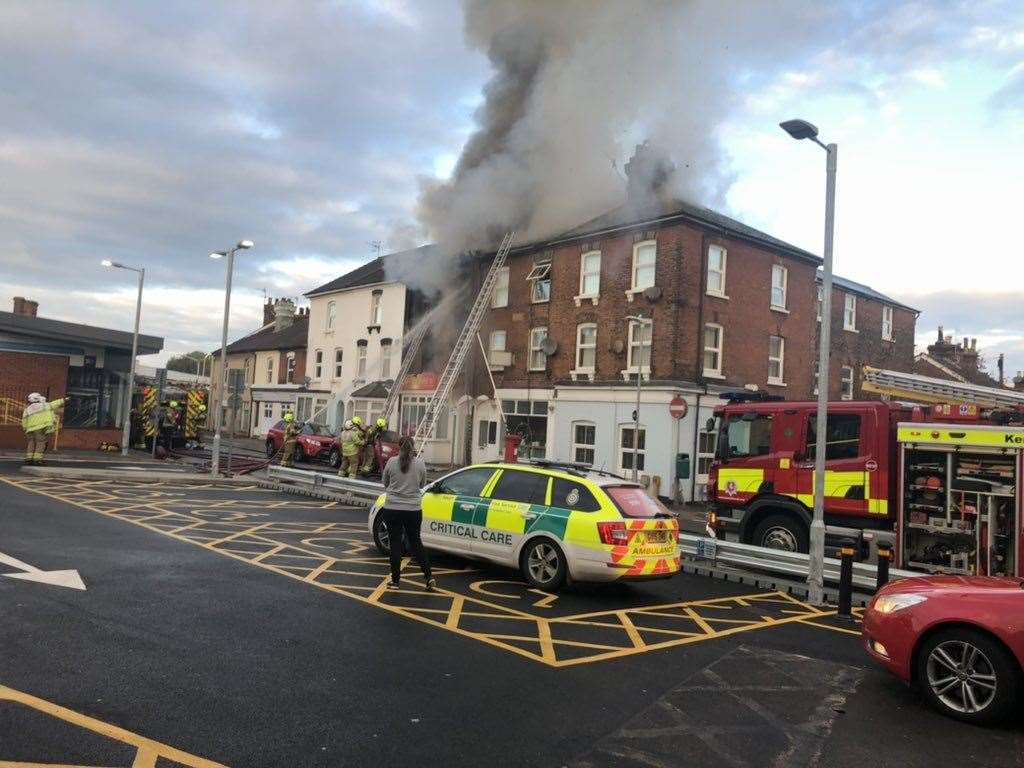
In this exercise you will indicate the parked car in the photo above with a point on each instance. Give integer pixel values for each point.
(958, 639)
(315, 443)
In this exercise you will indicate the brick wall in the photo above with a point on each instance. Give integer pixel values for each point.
(300, 366)
(11, 437)
(679, 314)
(22, 373)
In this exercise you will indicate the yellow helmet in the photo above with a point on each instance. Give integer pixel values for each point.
(382, 423)
(357, 421)
(289, 417)
(174, 403)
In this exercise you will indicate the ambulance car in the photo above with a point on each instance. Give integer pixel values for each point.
(553, 522)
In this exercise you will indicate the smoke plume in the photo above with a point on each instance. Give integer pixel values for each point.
(577, 83)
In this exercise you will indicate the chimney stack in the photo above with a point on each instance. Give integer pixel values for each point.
(23, 306)
(268, 312)
(284, 314)
(1018, 381)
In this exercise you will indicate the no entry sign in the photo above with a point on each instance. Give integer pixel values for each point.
(677, 407)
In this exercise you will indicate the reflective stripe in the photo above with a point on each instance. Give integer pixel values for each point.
(996, 437)
(743, 480)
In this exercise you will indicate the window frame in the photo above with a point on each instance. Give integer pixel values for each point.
(714, 373)
(531, 349)
(513, 474)
(780, 269)
(330, 316)
(584, 274)
(581, 347)
(376, 308)
(318, 364)
(289, 376)
(888, 322)
(539, 274)
(630, 367)
(653, 266)
(621, 450)
(270, 369)
(719, 292)
(501, 284)
(850, 307)
(780, 380)
(385, 361)
(361, 355)
(843, 380)
(578, 446)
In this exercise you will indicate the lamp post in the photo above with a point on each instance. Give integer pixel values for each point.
(223, 374)
(126, 406)
(801, 129)
(641, 321)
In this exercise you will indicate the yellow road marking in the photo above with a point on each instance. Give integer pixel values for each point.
(454, 612)
(708, 629)
(311, 576)
(829, 626)
(631, 631)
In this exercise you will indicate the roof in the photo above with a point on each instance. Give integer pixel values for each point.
(866, 291)
(266, 338)
(927, 365)
(373, 272)
(375, 389)
(661, 212)
(58, 330)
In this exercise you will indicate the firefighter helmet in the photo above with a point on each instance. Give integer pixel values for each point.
(289, 417)
(35, 397)
(382, 423)
(357, 421)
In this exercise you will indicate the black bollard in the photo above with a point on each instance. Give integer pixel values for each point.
(884, 556)
(845, 580)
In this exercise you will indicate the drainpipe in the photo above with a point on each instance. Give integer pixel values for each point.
(699, 360)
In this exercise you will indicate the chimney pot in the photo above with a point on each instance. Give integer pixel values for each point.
(26, 307)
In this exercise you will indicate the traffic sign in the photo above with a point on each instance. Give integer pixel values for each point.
(677, 407)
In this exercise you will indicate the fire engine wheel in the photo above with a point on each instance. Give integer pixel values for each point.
(543, 565)
(781, 532)
(967, 675)
(270, 448)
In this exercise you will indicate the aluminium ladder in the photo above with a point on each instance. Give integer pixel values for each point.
(912, 386)
(463, 345)
(410, 346)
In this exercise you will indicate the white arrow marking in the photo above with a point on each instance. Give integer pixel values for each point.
(31, 573)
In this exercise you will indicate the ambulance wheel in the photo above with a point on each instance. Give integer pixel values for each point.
(781, 532)
(270, 448)
(543, 565)
(380, 535)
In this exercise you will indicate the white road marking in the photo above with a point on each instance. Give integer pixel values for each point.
(69, 578)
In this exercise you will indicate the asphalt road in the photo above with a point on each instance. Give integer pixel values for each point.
(238, 626)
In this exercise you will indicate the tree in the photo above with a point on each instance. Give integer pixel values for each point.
(187, 363)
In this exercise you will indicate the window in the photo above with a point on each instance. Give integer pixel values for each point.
(626, 451)
(713, 350)
(706, 443)
(318, 364)
(290, 374)
(716, 270)
(776, 359)
(634, 502)
(469, 482)
(850, 312)
(375, 309)
(644, 255)
(500, 296)
(540, 279)
(337, 363)
(385, 361)
(590, 273)
(498, 341)
(369, 409)
(524, 487)
(537, 359)
(361, 360)
(780, 278)
(566, 494)
(268, 410)
(270, 370)
(584, 437)
(528, 418)
(245, 367)
(887, 322)
(413, 411)
(846, 382)
(746, 437)
(303, 407)
(332, 311)
(639, 358)
(320, 411)
(821, 299)
(586, 347)
(488, 433)
(842, 436)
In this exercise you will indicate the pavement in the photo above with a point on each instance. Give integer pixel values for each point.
(234, 625)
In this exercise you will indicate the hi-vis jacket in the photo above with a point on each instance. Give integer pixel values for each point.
(351, 440)
(40, 416)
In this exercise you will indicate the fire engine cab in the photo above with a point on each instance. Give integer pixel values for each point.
(939, 481)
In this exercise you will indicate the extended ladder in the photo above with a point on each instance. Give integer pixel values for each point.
(924, 389)
(462, 345)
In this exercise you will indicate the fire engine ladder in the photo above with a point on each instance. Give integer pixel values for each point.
(924, 389)
(410, 346)
(463, 344)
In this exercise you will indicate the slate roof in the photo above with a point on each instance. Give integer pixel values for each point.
(864, 290)
(372, 272)
(58, 330)
(378, 389)
(266, 338)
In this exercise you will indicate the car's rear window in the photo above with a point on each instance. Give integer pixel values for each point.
(632, 501)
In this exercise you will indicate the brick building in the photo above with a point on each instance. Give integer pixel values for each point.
(86, 364)
(954, 361)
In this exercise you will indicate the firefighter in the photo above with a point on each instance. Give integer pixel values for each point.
(39, 423)
(291, 433)
(351, 440)
(371, 439)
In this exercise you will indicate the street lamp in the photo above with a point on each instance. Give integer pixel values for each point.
(230, 254)
(801, 129)
(641, 321)
(127, 402)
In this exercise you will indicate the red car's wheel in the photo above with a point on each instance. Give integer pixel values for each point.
(271, 450)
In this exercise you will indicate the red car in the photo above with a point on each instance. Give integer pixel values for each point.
(314, 443)
(958, 639)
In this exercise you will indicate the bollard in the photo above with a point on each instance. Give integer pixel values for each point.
(884, 556)
(845, 579)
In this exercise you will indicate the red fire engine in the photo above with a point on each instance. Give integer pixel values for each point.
(940, 480)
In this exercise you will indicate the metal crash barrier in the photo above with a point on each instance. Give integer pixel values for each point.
(361, 489)
(777, 562)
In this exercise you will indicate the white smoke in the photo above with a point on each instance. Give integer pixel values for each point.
(577, 83)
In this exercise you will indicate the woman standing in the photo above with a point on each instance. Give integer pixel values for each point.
(403, 477)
